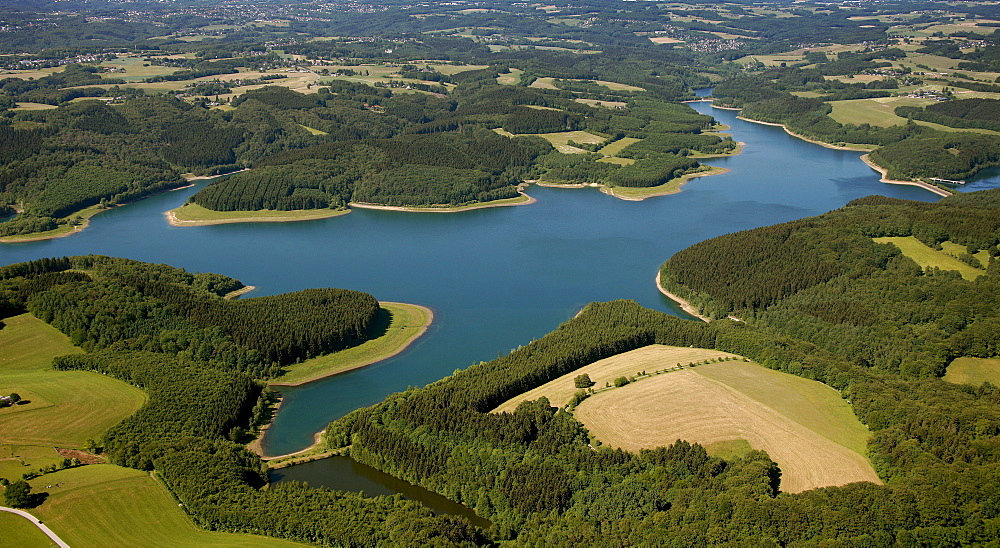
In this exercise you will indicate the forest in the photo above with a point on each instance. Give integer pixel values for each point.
(844, 310)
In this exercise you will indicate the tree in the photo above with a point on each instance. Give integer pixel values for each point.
(18, 494)
(14, 397)
(583, 381)
(621, 381)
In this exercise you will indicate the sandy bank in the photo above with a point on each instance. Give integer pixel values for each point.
(256, 217)
(685, 305)
(884, 172)
(526, 200)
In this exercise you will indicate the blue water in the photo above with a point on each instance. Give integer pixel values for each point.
(495, 278)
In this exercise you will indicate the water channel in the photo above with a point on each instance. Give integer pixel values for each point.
(495, 278)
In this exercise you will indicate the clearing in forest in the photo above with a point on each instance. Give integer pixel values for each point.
(804, 425)
(973, 371)
(928, 257)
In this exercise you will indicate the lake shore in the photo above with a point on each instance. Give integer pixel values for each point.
(859, 148)
(239, 292)
(638, 194)
(524, 199)
(864, 158)
(398, 337)
(684, 304)
(884, 172)
(363, 355)
(195, 215)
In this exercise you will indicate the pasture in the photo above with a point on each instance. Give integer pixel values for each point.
(927, 257)
(20, 532)
(106, 505)
(65, 407)
(803, 425)
(973, 371)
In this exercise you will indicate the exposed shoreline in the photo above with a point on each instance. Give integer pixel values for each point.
(864, 157)
(684, 179)
(239, 292)
(86, 220)
(192, 177)
(884, 172)
(256, 446)
(172, 219)
(684, 304)
(797, 136)
(527, 200)
(428, 314)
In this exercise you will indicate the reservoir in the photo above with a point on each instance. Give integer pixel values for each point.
(495, 278)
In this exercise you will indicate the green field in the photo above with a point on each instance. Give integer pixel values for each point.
(313, 130)
(105, 505)
(927, 257)
(66, 407)
(974, 371)
(877, 112)
(614, 148)
(406, 323)
(17, 531)
(729, 449)
(195, 215)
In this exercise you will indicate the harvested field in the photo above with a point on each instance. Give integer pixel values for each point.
(689, 405)
(727, 406)
(649, 359)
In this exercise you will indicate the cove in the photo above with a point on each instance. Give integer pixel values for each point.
(495, 278)
(346, 474)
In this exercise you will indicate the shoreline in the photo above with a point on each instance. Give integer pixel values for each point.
(256, 446)
(83, 225)
(675, 185)
(684, 179)
(884, 172)
(239, 292)
(193, 177)
(803, 137)
(864, 157)
(526, 200)
(172, 219)
(429, 315)
(684, 304)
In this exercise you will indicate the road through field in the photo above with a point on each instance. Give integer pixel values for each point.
(45, 529)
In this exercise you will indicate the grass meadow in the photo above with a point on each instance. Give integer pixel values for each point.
(405, 324)
(65, 407)
(973, 371)
(105, 505)
(927, 257)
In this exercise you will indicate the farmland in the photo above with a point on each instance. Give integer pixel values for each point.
(106, 505)
(803, 425)
(65, 407)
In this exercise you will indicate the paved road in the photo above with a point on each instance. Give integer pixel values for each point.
(45, 529)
